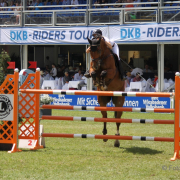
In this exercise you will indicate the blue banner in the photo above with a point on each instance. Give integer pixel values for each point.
(136, 102)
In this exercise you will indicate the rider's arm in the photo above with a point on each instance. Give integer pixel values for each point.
(108, 44)
(88, 50)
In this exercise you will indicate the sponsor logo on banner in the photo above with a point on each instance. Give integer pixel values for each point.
(6, 108)
(138, 102)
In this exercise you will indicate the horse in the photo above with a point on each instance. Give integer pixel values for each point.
(106, 77)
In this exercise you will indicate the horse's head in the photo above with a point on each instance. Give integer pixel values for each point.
(96, 51)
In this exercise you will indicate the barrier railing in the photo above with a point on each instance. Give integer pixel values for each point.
(176, 138)
(32, 95)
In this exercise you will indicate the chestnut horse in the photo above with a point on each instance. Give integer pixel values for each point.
(106, 77)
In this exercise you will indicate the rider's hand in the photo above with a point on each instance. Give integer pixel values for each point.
(88, 49)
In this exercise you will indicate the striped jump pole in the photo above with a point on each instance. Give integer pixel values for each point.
(115, 120)
(98, 93)
(140, 138)
(97, 108)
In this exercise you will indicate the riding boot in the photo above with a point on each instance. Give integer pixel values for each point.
(120, 69)
(87, 74)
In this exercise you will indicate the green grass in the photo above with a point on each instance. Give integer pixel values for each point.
(84, 159)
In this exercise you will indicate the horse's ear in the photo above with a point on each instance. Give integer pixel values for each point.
(90, 42)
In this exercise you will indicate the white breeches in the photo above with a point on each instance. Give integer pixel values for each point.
(115, 49)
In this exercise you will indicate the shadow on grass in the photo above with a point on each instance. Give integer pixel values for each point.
(142, 150)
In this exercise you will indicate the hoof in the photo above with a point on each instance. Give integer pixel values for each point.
(105, 140)
(117, 143)
(87, 75)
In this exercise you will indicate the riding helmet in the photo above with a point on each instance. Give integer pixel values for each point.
(98, 31)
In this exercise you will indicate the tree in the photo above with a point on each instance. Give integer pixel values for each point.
(4, 58)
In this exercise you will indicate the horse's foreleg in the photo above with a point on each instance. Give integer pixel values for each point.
(93, 75)
(102, 80)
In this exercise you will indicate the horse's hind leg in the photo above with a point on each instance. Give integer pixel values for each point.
(103, 101)
(117, 143)
(118, 103)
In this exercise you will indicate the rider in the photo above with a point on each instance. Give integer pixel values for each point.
(111, 45)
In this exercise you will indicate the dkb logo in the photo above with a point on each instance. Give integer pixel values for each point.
(18, 35)
(5, 106)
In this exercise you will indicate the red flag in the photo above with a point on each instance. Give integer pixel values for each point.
(33, 64)
(11, 65)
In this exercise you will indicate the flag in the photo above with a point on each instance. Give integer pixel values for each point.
(33, 64)
(11, 65)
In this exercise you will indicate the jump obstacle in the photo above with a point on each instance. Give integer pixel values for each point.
(29, 108)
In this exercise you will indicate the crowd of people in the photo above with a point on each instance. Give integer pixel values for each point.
(67, 73)
(13, 3)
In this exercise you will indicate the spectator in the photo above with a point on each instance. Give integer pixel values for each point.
(47, 76)
(66, 77)
(38, 3)
(54, 71)
(17, 14)
(146, 68)
(136, 78)
(118, 6)
(128, 78)
(48, 61)
(65, 86)
(66, 2)
(60, 72)
(33, 3)
(131, 63)
(137, 5)
(2, 3)
(74, 2)
(78, 76)
(11, 4)
(155, 79)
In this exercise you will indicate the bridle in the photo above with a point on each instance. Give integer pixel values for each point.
(99, 50)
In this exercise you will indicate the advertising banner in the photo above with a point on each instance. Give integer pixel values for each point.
(78, 35)
(136, 102)
(145, 33)
(68, 35)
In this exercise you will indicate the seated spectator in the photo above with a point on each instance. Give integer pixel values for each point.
(33, 3)
(11, 4)
(128, 78)
(82, 83)
(137, 5)
(74, 2)
(146, 68)
(18, 15)
(66, 77)
(137, 78)
(54, 71)
(2, 3)
(129, 5)
(65, 86)
(38, 3)
(119, 5)
(155, 79)
(47, 75)
(78, 76)
(66, 2)
(60, 72)
(5, 5)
